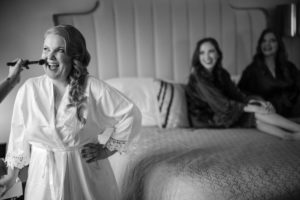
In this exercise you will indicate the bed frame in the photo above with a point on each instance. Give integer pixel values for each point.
(156, 38)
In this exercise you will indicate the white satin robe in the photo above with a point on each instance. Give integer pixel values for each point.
(50, 143)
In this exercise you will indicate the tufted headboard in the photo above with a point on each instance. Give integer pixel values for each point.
(156, 38)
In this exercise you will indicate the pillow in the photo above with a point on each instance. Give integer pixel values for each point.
(172, 104)
(141, 92)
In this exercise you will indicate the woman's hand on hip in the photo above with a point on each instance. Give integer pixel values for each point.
(95, 151)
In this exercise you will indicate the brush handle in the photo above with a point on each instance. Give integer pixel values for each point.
(27, 62)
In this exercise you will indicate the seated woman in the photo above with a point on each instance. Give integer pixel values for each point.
(214, 100)
(276, 79)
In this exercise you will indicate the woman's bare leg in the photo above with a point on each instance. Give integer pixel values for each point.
(273, 130)
(278, 121)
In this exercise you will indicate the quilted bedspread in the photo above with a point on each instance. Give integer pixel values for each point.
(187, 164)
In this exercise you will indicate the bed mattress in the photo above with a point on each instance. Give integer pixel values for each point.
(190, 164)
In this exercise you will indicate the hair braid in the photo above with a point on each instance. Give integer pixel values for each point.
(76, 49)
(77, 98)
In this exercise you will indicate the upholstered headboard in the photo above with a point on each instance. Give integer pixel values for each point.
(156, 38)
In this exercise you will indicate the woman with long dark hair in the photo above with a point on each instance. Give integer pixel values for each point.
(272, 76)
(214, 101)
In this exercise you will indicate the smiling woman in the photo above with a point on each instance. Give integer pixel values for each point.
(54, 52)
(276, 78)
(56, 122)
(208, 56)
(58, 64)
(214, 101)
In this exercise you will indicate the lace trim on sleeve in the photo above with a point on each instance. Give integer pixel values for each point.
(113, 144)
(18, 161)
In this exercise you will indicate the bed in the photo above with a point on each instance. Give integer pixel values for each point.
(143, 48)
(187, 164)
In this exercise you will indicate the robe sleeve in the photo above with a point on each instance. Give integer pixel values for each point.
(257, 80)
(122, 114)
(18, 151)
(225, 110)
(232, 90)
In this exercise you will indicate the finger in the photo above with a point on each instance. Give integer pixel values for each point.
(92, 151)
(86, 153)
(92, 160)
(19, 62)
(92, 147)
(263, 104)
(251, 101)
(246, 109)
(16, 62)
(89, 145)
(89, 154)
(89, 150)
(90, 157)
(25, 66)
(249, 108)
(92, 144)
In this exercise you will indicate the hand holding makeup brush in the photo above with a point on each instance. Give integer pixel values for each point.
(13, 77)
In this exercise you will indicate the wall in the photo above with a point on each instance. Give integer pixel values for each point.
(292, 44)
(259, 3)
(23, 24)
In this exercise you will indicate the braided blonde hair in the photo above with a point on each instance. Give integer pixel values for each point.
(76, 49)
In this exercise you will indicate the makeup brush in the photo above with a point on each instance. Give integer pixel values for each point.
(28, 62)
